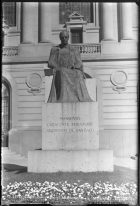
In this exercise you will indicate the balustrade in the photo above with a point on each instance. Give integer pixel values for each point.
(88, 48)
(83, 49)
(10, 51)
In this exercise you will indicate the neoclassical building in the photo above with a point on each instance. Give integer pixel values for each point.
(106, 35)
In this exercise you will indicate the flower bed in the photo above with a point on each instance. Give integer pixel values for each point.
(65, 193)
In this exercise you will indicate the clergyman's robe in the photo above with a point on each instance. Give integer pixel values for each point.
(68, 84)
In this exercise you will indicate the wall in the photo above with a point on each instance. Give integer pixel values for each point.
(119, 109)
(29, 105)
(26, 133)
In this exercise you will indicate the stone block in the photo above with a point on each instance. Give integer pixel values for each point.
(72, 126)
(41, 161)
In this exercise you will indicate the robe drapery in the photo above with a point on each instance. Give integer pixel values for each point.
(68, 84)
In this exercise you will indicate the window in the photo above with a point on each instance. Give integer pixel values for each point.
(83, 8)
(9, 13)
(5, 113)
(76, 36)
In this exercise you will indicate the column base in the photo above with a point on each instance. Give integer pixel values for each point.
(109, 40)
(48, 161)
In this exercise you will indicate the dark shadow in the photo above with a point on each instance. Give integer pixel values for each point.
(87, 76)
(38, 149)
(119, 21)
(13, 167)
(100, 21)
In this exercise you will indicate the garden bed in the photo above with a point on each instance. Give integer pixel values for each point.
(60, 188)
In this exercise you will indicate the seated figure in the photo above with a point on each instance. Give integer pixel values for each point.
(68, 84)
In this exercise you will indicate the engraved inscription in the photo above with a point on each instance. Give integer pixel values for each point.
(70, 124)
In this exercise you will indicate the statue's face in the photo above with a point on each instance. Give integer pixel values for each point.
(64, 37)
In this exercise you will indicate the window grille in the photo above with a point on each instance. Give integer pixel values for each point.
(76, 36)
(83, 8)
(9, 13)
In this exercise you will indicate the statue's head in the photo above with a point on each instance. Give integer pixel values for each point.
(64, 37)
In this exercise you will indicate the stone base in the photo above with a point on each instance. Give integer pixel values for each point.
(70, 161)
(70, 126)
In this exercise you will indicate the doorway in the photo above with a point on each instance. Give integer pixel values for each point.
(5, 115)
(76, 36)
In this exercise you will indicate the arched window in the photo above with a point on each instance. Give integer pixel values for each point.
(5, 112)
(9, 13)
(83, 8)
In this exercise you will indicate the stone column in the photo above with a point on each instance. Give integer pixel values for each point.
(126, 20)
(107, 21)
(96, 14)
(18, 15)
(29, 22)
(45, 21)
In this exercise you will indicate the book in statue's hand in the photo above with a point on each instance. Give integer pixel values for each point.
(48, 72)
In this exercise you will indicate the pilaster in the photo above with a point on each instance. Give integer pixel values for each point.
(126, 20)
(45, 21)
(108, 22)
(29, 22)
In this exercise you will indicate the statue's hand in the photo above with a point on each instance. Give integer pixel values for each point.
(54, 71)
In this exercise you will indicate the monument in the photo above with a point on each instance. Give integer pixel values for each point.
(70, 125)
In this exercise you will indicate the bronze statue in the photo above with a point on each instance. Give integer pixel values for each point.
(68, 83)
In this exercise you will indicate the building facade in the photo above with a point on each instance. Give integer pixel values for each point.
(106, 35)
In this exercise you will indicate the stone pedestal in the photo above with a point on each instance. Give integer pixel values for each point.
(70, 126)
(70, 140)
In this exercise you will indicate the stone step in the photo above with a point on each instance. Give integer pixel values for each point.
(7, 151)
(126, 162)
(11, 153)
(70, 161)
(9, 157)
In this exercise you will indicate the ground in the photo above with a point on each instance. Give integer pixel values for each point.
(66, 188)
